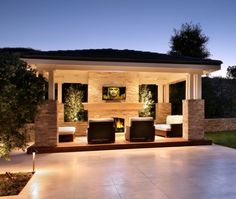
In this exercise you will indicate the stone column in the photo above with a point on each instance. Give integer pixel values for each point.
(46, 125)
(60, 114)
(162, 110)
(193, 119)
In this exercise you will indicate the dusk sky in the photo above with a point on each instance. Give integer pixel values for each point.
(145, 25)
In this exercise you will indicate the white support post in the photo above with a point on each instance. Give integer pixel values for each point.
(160, 93)
(167, 93)
(197, 81)
(42, 73)
(51, 85)
(59, 92)
(189, 87)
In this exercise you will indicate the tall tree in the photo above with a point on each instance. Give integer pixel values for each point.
(231, 72)
(21, 92)
(189, 41)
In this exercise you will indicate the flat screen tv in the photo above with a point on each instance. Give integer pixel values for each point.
(113, 93)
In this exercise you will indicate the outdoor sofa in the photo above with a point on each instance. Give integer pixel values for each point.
(172, 128)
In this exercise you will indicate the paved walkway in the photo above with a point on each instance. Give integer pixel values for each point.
(203, 172)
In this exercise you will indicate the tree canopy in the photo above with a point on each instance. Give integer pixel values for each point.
(231, 72)
(21, 92)
(189, 41)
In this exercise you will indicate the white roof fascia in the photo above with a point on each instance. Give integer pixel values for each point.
(48, 64)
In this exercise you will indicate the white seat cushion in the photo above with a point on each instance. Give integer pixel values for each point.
(163, 127)
(132, 119)
(141, 118)
(67, 130)
(101, 120)
(174, 119)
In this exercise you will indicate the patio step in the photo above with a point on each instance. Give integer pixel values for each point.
(113, 146)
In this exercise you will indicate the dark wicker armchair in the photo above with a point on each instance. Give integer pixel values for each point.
(101, 131)
(141, 129)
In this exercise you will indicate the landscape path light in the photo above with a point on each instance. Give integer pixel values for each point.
(33, 159)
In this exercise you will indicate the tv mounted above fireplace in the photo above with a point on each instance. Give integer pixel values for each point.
(113, 93)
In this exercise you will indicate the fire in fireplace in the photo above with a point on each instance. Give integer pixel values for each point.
(119, 125)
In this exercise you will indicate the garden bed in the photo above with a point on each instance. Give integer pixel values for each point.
(13, 183)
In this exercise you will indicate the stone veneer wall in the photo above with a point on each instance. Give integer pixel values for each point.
(162, 110)
(99, 79)
(193, 119)
(60, 112)
(46, 133)
(96, 80)
(121, 114)
(220, 124)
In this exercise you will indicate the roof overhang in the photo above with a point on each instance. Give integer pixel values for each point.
(52, 64)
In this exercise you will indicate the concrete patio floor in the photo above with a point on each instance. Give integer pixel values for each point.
(201, 172)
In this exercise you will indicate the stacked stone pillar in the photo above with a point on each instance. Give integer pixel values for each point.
(46, 125)
(193, 119)
(60, 113)
(162, 110)
(163, 107)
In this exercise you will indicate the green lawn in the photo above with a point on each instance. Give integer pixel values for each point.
(225, 138)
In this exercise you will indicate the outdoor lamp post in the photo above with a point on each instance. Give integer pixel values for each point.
(33, 159)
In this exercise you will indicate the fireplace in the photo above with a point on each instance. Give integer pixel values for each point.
(119, 124)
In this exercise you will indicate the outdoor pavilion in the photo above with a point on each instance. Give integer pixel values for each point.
(119, 68)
